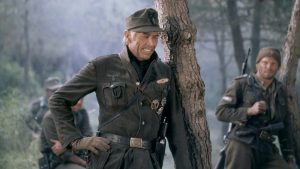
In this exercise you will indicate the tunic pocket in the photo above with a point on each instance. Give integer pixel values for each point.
(250, 98)
(115, 93)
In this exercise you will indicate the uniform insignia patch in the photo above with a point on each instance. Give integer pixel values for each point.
(154, 104)
(162, 81)
(227, 98)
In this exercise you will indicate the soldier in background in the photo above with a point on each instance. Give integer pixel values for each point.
(257, 106)
(40, 106)
(54, 155)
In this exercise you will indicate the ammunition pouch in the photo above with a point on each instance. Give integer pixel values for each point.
(245, 135)
(248, 135)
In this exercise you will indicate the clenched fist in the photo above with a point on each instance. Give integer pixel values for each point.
(94, 144)
(259, 107)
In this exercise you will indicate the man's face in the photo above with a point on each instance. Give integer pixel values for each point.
(142, 44)
(267, 68)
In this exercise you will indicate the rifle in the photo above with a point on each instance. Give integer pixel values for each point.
(221, 161)
(269, 128)
(160, 145)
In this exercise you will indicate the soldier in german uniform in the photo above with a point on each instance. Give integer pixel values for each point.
(134, 90)
(40, 106)
(51, 148)
(256, 105)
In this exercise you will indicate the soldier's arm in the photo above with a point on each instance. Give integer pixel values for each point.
(68, 95)
(228, 109)
(49, 130)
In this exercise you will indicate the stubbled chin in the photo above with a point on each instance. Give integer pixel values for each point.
(268, 77)
(147, 54)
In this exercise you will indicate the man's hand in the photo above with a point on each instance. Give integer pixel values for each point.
(57, 148)
(94, 144)
(259, 107)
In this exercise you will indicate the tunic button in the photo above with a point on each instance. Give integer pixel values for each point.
(141, 103)
(143, 122)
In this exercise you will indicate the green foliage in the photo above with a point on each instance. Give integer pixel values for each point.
(16, 147)
(12, 76)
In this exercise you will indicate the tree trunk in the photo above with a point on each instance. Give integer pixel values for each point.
(237, 38)
(178, 40)
(255, 37)
(288, 73)
(27, 59)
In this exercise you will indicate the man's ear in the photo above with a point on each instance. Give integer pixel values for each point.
(127, 36)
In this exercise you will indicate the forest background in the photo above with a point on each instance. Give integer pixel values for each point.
(42, 38)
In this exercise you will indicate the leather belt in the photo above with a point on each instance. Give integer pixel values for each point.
(131, 142)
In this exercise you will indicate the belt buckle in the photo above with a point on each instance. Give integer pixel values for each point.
(136, 142)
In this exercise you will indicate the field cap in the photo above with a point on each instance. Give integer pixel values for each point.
(144, 20)
(52, 83)
(269, 52)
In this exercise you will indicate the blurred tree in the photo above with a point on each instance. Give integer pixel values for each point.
(178, 40)
(27, 54)
(255, 33)
(288, 73)
(12, 78)
(237, 39)
(15, 138)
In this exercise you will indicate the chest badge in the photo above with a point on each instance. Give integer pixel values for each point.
(154, 104)
(162, 81)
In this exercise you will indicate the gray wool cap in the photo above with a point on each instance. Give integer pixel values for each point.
(269, 52)
(144, 20)
(52, 83)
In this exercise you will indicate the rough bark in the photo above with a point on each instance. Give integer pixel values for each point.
(178, 40)
(288, 71)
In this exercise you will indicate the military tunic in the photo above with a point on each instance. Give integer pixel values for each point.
(246, 149)
(115, 82)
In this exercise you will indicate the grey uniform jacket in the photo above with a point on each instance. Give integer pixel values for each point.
(242, 93)
(115, 82)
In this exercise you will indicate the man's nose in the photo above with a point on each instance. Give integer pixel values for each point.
(269, 66)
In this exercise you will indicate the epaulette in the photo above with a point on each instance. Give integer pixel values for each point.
(241, 77)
